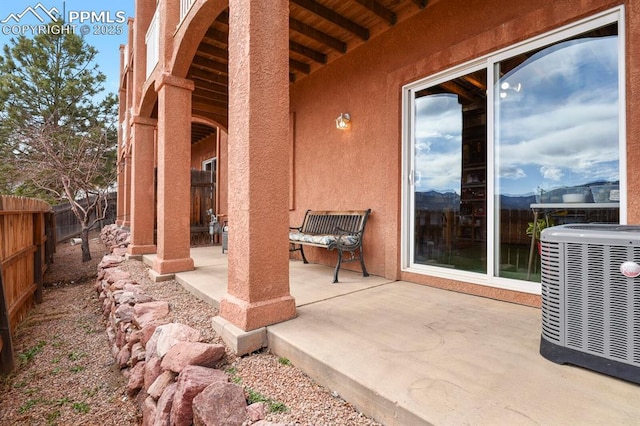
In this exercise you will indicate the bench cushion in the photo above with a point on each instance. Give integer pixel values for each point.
(322, 239)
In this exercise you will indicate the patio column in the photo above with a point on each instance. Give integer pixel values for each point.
(174, 177)
(120, 213)
(122, 121)
(142, 187)
(258, 280)
(127, 184)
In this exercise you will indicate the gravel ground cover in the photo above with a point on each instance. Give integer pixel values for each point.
(67, 375)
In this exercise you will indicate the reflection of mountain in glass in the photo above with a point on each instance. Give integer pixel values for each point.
(433, 200)
(437, 201)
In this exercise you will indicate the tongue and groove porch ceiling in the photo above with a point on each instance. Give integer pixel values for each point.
(319, 32)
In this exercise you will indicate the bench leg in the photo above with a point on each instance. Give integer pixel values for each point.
(364, 269)
(304, 258)
(335, 273)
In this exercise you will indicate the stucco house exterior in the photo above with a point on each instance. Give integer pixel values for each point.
(467, 117)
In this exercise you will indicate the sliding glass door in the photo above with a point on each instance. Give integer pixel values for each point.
(449, 174)
(532, 131)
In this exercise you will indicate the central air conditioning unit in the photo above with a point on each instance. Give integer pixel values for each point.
(591, 298)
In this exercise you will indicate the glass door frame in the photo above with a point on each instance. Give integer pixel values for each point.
(408, 178)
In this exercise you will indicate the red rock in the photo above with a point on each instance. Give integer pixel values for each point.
(170, 334)
(134, 338)
(151, 371)
(119, 285)
(220, 404)
(132, 297)
(111, 275)
(136, 379)
(191, 382)
(150, 311)
(119, 251)
(123, 356)
(124, 313)
(257, 411)
(148, 412)
(137, 353)
(192, 353)
(163, 410)
(148, 330)
(161, 383)
(133, 286)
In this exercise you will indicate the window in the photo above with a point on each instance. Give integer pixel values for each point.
(532, 129)
(210, 165)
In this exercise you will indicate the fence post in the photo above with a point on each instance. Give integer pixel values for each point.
(6, 345)
(38, 222)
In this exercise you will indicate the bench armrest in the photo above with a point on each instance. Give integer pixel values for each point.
(343, 232)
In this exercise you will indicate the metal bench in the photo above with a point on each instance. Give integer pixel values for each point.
(340, 230)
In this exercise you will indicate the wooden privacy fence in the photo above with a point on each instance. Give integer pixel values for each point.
(67, 224)
(25, 248)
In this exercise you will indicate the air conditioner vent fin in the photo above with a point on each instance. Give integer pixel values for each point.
(551, 297)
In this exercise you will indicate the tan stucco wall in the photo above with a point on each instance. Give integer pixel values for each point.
(360, 168)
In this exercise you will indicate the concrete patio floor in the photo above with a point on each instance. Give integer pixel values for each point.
(407, 354)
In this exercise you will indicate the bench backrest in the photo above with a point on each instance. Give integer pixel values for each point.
(326, 222)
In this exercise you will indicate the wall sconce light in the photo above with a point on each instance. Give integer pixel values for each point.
(344, 121)
(506, 86)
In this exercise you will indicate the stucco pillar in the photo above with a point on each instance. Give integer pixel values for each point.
(121, 189)
(258, 282)
(174, 176)
(122, 141)
(142, 187)
(127, 193)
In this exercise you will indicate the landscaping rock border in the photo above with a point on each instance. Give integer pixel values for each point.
(170, 371)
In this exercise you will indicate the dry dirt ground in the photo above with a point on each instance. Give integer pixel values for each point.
(66, 374)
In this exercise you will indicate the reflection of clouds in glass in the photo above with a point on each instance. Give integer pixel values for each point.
(512, 173)
(438, 136)
(564, 121)
(551, 173)
(439, 171)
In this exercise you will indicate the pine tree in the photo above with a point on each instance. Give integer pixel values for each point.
(58, 138)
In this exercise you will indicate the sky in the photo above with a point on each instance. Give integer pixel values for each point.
(559, 129)
(104, 22)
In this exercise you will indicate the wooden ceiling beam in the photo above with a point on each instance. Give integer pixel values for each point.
(420, 3)
(214, 96)
(379, 10)
(199, 99)
(453, 87)
(216, 52)
(217, 35)
(333, 17)
(317, 35)
(209, 64)
(308, 52)
(223, 18)
(218, 78)
(300, 66)
(207, 107)
(207, 86)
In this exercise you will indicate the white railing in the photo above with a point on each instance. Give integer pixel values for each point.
(124, 125)
(152, 40)
(185, 5)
